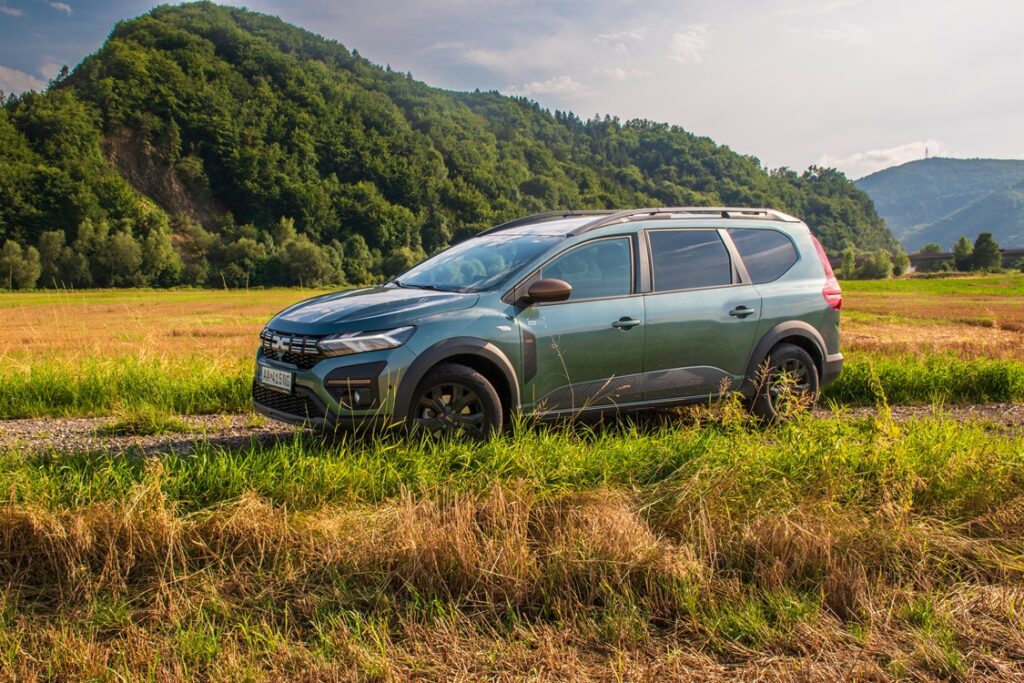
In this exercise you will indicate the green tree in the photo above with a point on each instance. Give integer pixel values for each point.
(934, 265)
(357, 260)
(307, 264)
(19, 268)
(51, 246)
(848, 267)
(877, 266)
(900, 263)
(963, 254)
(986, 254)
(120, 260)
(401, 259)
(161, 264)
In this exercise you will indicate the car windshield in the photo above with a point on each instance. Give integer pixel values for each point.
(477, 264)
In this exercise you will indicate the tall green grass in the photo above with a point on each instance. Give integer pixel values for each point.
(923, 379)
(102, 386)
(933, 466)
(592, 554)
(198, 386)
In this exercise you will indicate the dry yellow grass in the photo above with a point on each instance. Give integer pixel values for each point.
(250, 591)
(890, 337)
(139, 323)
(223, 325)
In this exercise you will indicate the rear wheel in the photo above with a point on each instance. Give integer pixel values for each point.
(787, 380)
(454, 400)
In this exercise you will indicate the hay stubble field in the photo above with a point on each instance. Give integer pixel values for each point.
(846, 545)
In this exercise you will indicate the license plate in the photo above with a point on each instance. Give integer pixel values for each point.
(281, 380)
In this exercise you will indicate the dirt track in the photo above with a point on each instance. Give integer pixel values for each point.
(78, 434)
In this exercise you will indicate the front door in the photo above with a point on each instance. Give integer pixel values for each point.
(586, 351)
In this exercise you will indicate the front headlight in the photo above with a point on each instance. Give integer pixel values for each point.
(361, 342)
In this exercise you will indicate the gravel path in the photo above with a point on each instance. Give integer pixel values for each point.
(78, 434)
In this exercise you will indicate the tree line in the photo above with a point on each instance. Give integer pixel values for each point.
(981, 256)
(214, 146)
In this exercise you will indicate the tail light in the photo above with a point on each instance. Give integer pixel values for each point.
(831, 291)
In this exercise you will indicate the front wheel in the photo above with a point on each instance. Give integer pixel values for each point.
(787, 380)
(454, 400)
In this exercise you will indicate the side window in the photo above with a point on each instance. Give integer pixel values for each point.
(767, 254)
(597, 269)
(688, 259)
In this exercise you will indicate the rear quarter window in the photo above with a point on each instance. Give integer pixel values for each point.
(767, 254)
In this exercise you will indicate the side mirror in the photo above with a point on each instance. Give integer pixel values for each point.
(548, 290)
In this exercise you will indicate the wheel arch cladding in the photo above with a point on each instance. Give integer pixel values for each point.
(480, 355)
(794, 332)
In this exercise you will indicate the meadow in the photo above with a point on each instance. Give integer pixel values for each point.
(190, 351)
(843, 546)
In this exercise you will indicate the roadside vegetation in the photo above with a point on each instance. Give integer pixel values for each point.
(828, 549)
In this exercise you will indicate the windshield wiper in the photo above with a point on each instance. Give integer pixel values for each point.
(407, 285)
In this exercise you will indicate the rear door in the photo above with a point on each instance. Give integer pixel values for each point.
(586, 351)
(701, 317)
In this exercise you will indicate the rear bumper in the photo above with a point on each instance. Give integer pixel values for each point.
(831, 368)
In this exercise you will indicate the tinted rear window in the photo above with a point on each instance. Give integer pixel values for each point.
(689, 259)
(766, 253)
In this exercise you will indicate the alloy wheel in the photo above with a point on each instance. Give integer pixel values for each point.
(450, 408)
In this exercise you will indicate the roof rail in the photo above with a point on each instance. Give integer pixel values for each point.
(544, 217)
(684, 212)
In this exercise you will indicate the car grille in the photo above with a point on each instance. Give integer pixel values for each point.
(299, 405)
(298, 350)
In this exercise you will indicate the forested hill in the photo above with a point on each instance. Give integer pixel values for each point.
(210, 145)
(938, 200)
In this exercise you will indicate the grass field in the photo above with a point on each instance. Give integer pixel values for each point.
(838, 548)
(190, 351)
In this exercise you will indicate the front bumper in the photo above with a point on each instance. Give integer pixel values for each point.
(341, 392)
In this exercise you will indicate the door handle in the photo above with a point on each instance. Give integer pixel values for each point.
(625, 323)
(741, 312)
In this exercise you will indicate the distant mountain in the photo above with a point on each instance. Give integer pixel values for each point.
(938, 200)
(211, 145)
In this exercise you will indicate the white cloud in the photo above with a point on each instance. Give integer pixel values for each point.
(621, 42)
(617, 73)
(864, 163)
(555, 85)
(850, 35)
(60, 6)
(50, 69)
(11, 11)
(805, 9)
(688, 43)
(14, 81)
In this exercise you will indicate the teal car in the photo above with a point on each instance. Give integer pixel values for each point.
(565, 314)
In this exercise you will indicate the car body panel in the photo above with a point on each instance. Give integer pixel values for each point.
(581, 360)
(693, 344)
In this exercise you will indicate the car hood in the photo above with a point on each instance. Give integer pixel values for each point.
(373, 308)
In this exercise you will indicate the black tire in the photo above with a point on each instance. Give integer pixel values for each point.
(454, 400)
(797, 366)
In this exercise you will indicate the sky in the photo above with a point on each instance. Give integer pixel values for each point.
(856, 84)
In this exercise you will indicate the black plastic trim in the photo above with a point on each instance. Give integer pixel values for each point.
(792, 328)
(456, 346)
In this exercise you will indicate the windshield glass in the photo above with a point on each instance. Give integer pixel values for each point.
(477, 264)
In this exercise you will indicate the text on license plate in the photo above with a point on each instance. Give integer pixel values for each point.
(276, 379)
